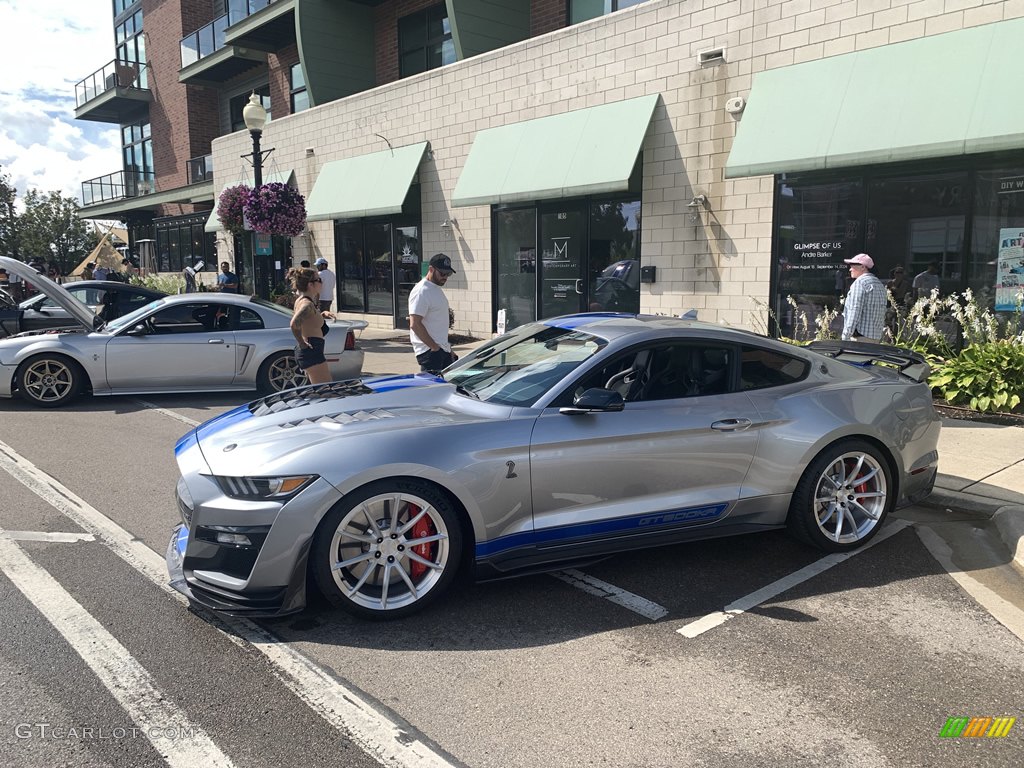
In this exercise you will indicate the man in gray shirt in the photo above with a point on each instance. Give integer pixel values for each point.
(927, 281)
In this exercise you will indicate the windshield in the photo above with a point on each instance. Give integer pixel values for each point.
(520, 367)
(132, 318)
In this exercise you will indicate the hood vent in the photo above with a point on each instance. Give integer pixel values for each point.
(297, 398)
(342, 418)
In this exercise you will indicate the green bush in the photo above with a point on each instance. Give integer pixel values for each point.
(987, 376)
(167, 282)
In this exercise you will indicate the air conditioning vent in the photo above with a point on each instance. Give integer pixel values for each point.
(711, 58)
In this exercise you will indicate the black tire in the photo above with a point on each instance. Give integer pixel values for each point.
(50, 381)
(387, 575)
(280, 372)
(843, 497)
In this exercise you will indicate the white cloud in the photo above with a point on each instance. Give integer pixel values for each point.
(50, 45)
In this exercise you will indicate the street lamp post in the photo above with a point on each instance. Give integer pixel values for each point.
(255, 117)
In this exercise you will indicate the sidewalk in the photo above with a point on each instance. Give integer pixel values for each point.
(981, 466)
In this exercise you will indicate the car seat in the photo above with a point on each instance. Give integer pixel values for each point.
(714, 371)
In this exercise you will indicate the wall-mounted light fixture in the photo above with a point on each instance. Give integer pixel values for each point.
(448, 225)
(696, 205)
(310, 151)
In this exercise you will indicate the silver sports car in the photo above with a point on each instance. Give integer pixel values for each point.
(186, 343)
(560, 442)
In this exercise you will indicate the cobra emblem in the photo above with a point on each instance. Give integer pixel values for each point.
(511, 470)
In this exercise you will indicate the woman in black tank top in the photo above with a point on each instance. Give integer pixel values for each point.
(308, 325)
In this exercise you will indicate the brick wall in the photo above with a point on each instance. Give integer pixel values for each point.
(385, 25)
(716, 264)
(547, 16)
(280, 65)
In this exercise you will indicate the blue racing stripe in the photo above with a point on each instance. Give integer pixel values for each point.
(651, 520)
(185, 442)
(225, 420)
(570, 322)
(390, 383)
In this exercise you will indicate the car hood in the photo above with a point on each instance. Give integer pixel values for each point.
(64, 300)
(252, 438)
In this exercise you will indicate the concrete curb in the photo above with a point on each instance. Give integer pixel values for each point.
(1010, 522)
(1008, 518)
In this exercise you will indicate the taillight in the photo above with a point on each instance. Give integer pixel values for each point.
(350, 340)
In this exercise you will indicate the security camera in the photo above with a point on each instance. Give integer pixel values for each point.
(735, 105)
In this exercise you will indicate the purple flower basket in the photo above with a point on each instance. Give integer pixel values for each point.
(276, 209)
(230, 208)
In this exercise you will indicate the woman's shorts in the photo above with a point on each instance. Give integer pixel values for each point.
(306, 357)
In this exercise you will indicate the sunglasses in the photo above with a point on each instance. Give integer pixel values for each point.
(317, 280)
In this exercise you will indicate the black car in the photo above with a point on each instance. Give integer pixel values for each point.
(107, 298)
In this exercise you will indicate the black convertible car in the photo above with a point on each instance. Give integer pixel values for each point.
(108, 299)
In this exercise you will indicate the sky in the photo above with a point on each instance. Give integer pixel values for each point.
(49, 46)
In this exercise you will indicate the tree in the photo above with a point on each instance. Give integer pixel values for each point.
(51, 229)
(9, 219)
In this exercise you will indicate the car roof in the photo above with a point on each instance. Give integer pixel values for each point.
(613, 325)
(222, 298)
(113, 284)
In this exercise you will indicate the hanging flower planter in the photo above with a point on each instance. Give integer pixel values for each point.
(276, 209)
(230, 208)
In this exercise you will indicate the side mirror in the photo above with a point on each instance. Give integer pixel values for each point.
(138, 330)
(595, 399)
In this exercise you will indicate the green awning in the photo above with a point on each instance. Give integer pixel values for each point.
(940, 96)
(586, 152)
(279, 177)
(367, 185)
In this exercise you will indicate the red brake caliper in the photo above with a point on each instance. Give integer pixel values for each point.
(424, 527)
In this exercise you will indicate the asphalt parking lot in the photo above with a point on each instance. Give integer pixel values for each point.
(745, 651)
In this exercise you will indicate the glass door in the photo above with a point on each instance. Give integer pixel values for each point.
(408, 257)
(516, 265)
(380, 296)
(563, 232)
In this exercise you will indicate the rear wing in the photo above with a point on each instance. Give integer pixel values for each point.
(909, 363)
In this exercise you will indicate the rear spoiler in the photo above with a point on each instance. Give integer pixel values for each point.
(910, 363)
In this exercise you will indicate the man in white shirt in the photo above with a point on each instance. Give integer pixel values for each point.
(428, 317)
(926, 282)
(327, 282)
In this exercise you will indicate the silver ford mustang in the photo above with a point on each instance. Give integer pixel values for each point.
(187, 343)
(561, 442)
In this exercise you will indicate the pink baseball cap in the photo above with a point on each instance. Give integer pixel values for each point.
(863, 259)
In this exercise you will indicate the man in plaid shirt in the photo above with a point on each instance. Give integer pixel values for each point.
(864, 312)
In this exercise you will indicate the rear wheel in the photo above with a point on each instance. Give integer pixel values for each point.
(280, 372)
(388, 550)
(843, 497)
(49, 381)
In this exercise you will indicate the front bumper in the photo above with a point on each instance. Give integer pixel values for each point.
(7, 380)
(271, 602)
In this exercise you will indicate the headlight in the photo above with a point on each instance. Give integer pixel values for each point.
(275, 488)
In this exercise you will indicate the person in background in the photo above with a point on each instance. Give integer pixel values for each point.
(308, 326)
(899, 285)
(327, 282)
(226, 280)
(864, 311)
(428, 317)
(88, 271)
(304, 264)
(5, 279)
(927, 281)
(100, 272)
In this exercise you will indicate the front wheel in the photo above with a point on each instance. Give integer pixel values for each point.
(280, 372)
(49, 381)
(388, 549)
(843, 497)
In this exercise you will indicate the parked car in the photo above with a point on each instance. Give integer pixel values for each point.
(187, 343)
(108, 299)
(617, 288)
(566, 440)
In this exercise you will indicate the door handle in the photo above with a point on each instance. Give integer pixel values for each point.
(731, 425)
(215, 341)
(579, 286)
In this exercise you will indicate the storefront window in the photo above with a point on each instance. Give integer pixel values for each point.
(516, 265)
(183, 242)
(995, 265)
(817, 226)
(615, 256)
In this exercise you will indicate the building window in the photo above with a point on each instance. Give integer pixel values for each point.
(238, 103)
(582, 10)
(424, 41)
(120, 6)
(299, 94)
(183, 242)
(137, 150)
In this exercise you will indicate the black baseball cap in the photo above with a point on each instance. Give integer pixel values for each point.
(442, 262)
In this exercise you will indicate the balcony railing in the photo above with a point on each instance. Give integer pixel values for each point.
(116, 74)
(117, 186)
(210, 39)
(200, 169)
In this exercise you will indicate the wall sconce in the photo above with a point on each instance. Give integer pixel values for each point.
(447, 225)
(696, 205)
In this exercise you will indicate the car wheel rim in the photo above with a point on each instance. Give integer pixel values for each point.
(850, 498)
(285, 374)
(389, 552)
(49, 381)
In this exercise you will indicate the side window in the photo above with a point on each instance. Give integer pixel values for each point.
(249, 320)
(132, 301)
(761, 368)
(190, 318)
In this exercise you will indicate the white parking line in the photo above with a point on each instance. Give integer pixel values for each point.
(754, 599)
(610, 592)
(389, 741)
(167, 412)
(63, 538)
(1005, 612)
(126, 679)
